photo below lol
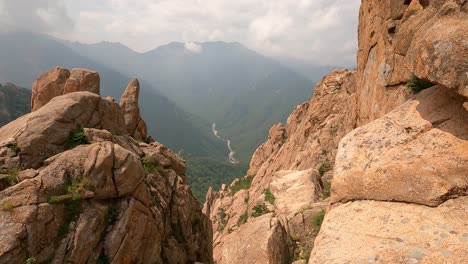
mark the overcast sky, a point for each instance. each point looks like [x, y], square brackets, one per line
[319, 31]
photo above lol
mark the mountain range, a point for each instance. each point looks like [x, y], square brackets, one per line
[185, 88]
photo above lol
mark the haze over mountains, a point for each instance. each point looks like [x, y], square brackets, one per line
[185, 87]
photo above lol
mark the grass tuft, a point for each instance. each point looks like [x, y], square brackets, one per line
[318, 220]
[326, 191]
[76, 137]
[242, 184]
[222, 219]
[243, 218]
[269, 197]
[260, 210]
[324, 168]
[415, 85]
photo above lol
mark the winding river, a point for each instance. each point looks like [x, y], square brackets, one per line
[232, 153]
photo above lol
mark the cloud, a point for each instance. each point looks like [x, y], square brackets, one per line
[45, 16]
[320, 31]
[193, 47]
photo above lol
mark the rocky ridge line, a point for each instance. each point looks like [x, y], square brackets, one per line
[76, 187]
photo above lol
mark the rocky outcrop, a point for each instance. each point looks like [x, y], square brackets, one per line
[398, 39]
[288, 176]
[393, 232]
[400, 182]
[135, 125]
[72, 190]
[60, 81]
[45, 132]
[417, 153]
[399, 179]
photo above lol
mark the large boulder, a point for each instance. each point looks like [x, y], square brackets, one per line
[48, 86]
[83, 80]
[135, 125]
[264, 240]
[46, 132]
[392, 232]
[59, 81]
[417, 153]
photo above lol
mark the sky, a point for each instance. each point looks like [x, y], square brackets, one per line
[317, 31]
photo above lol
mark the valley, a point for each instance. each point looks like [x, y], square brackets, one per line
[180, 89]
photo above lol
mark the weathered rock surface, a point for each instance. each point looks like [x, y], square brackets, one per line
[392, 232]
[417, 153]
[45, 132]
[264, 240]
[48, 86]
[83, 80]
[409, 155]
[289, 165]
[107, 200]
[59, 81]
[136, 126]
[398, 39]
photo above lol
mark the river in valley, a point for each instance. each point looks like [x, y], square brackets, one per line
[232, 153]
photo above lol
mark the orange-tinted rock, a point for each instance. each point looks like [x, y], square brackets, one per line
[83, 80]
[103, 198]
[289, 164]
[48, 86]
[417, 153]
[135, 125]
[59, 81]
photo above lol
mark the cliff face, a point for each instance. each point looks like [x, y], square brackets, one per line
[76, 188]
[400, 181]
[400, 178]
[292, 166]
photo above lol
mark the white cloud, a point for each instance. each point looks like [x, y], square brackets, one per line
[193, 47]
[320, 31]
[46, 16]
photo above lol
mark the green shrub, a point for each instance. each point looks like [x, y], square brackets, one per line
[247, 198]
[72, 211]
[148, 165]
[303, 252]
[415, 85]
[324, 168]
[14, 147]
[12, 177]
[259, 210]
[31, 260]
[326, 191]
[75, 190]
[76, 137]
[222, 219]
[243, 218]
[333, 131]
[242, 184]
[269, 197]
[318, 220]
